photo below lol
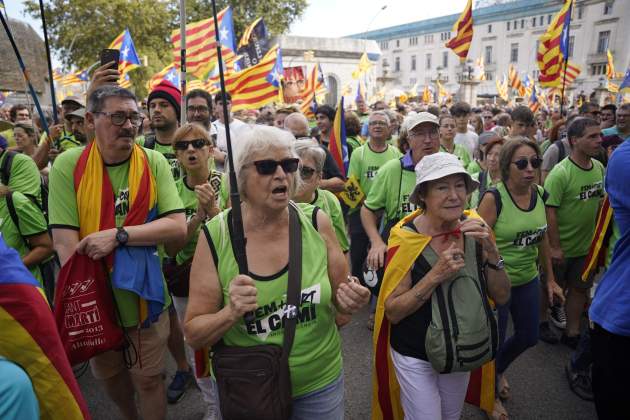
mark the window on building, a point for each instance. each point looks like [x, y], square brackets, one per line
[549, 19]
[490, 28]
[384, 45]
[428, 62]
[608, 7]
[514, 53]
[413, 63]
[445, 59]
[598, 69]
[508, 25]
[398, 43]
[397, 64]
[385, 63]
[413, 40]
[413, 81]
[533, 22]
[428, 39]
[571, 45]
[541, 21]
[536, 73]
[489, 75]
[602, 42]
[515, 24]
[580, 11]
[445, 36]
[522, 23]
[488, 55]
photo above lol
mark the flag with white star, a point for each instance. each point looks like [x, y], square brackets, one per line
[128, 56]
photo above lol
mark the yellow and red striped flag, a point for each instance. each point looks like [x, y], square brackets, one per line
[258, 85]
[201, 46]
[170, 72]
[610, 69]
[515, 81]
[572, 72]
[464, 28]
[553, 48]
[426, 95]
[309, 101]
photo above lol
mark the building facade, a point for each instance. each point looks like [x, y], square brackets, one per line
[505, 34]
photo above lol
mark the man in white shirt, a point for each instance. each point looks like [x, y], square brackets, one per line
[237, 129]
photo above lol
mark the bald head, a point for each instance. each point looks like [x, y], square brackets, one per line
[297, 124]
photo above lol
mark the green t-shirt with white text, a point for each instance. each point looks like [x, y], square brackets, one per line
[64, 214]
[327, 201]
[576, 194]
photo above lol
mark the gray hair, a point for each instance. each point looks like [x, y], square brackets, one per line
[380, 114]
[96, 100]
[299, 121]
[308, 148]
[256, 144]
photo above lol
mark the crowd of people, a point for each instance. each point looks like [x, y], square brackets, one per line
[470, 216]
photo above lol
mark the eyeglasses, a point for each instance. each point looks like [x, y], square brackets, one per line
[119, 118]
[198, 109]
[269, 166]
[425, 134]
[376, 123]
[306, 172]
[521, 164]
[183, 144]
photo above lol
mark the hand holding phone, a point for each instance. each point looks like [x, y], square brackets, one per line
[110, 56]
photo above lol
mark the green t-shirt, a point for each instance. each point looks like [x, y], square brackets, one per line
[391, 189]
[167, 151]
[190, 201]
[315, 359]
[354, 142]
[31, 223]
[24, 176]
[327, 201]
[461, 152]
[66, 141]
[519, 233]
[474, 167]
[365, 164]
[576, 193]
[63, 212]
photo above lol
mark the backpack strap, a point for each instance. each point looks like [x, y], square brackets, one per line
[294, 286]
[14, 216]
[497, 200]
[149, 141]
[483, 176]
[562, 153]
[5, 170]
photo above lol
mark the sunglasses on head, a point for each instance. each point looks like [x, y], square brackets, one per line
[521, 164]
[183, 144]
[306, 172]
[269, 166]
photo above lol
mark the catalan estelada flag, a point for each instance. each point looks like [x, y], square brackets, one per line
[29, 338]
[80, 76]
[258, 85]
[534, 103]
[337, 145]
[403, 249]
[596, 256]
[128, 56]
[308, 94]
[170, 73]
[201, 45]
[553, 47]
[464, 28]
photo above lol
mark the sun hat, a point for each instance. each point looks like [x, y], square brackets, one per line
[437, 166]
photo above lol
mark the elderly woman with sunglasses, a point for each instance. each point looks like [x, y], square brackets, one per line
[515, 209]
[266, 166]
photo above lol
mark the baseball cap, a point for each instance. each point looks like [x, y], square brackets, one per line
[74, 99]
[486, 136]
[421, 117]
[437, 166]
[80, 113]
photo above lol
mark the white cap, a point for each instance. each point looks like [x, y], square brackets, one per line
[421, 117]
[437, 166]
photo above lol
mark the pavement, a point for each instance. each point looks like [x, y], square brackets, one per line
[537, 381]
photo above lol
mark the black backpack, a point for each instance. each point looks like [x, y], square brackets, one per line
[5, 176]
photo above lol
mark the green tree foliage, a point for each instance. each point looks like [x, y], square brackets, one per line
[79, 29]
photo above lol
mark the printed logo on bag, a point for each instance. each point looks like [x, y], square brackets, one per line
[270, 318]
[81, 316]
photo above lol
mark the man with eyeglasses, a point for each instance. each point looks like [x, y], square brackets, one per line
[575, 187]
[622, 128]
[114, 164]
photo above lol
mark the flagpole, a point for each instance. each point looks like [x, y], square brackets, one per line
[566, 59]
[42, 117]
[238, 237]
[50, 72]
[182, 52]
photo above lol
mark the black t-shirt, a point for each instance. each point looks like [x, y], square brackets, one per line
[331, 170]
[407, 337]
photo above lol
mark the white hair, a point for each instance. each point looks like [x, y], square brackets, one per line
[310, 149]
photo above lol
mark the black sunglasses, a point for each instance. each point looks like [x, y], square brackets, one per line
[269, 166]
[183, 144]
[521, 164]
[306, 172]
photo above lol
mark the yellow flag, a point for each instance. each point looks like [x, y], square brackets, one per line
[352, 195]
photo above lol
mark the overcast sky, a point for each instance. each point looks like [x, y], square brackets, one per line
[333, 18]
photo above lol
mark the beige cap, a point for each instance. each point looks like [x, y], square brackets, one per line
[421, 117]
[74, 99]
[80, 113]
[437, 166]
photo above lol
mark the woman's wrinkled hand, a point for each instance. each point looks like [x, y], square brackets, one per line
[351, 296]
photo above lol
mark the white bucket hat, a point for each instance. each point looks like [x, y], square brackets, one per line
[437, 166]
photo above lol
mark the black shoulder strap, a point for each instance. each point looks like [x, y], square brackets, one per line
[149, 141]
[497, 200]
[13, 213]
[5, 170]
[295, 280]
[483, 175]
[562, 153]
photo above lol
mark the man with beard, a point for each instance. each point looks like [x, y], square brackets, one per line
[164, 110]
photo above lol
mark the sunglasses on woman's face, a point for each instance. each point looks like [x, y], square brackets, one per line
[521, 164]
[306, 172]
[183, 144]
[268, 166]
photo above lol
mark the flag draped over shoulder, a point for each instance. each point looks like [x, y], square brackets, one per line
[29, 338]
[464, 28]
[201, 46]
[403, 248]
[258, 85]
[553, 47]
[337, 145]
[599, 244]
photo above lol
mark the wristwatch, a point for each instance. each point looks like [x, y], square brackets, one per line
[500, 265]
[122, 236]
